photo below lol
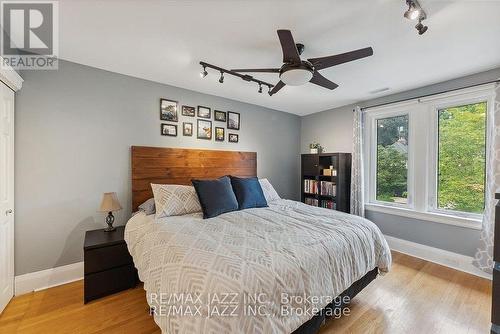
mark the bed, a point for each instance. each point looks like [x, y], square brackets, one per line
[263, 270]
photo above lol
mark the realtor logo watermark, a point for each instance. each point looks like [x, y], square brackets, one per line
[30, 36]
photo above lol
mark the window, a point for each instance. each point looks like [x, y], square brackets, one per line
[462, 158]
[392, 159]
[426, 158]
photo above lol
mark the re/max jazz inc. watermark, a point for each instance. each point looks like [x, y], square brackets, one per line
[238, 305]
[30, 36]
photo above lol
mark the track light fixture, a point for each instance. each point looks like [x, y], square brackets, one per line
[204, 73]
[421, 28]
[269, 91]
[244, 77]
[415, 12]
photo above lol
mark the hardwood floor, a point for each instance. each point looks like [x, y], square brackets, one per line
[415, 297]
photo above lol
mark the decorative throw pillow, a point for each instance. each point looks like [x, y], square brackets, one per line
[148, 207]
[269, 193]
[248, 192]
[216, 196]
[174, 200]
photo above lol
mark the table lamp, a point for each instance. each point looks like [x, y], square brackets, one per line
[109, 204]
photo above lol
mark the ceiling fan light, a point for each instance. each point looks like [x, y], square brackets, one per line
[296, 77]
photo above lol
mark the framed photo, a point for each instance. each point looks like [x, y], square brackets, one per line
[219, 134]
[233, 120]
[220, 116]
[233, 138]
[187, 128]
[204, 112]
[188, 111]
[168, 110]
[168, 130]
[204, 129]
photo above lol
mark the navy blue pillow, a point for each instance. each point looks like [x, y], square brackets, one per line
[248, 192]
[216, 196]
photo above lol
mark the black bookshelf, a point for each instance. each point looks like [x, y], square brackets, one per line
[312, 167]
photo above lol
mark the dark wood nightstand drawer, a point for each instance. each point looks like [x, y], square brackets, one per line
[109, 281]
[99, 259]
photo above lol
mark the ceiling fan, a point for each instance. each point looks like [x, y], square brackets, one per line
[296, 72]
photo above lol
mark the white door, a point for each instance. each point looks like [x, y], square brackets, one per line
[6, 195]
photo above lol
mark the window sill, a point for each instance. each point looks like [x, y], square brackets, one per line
[471, 223]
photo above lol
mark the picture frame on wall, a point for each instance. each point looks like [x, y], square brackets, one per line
[219, 134]
[168, 110]
[233, 138]
[187, 128]
[233, 120]
[204, 112]
[220, 116]
[204, 129]
[188, 111]
[168, 130]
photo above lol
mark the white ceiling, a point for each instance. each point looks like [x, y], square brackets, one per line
[163, 41]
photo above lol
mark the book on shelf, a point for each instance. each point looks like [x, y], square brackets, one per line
[328, 188]
[311, 201]
[327, 203]
[310, 186]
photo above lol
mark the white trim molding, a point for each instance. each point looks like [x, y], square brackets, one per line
[440, 256]
[48, 278]
[10, 77]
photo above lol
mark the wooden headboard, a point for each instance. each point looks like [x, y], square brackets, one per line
[179, 166]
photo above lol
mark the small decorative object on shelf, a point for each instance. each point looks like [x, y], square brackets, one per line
[109, 204]
[315, 148]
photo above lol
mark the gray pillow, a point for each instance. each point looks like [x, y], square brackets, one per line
[148, 207]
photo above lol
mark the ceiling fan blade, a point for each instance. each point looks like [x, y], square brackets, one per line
[264, 70]
[276, 88]
[290, 52]
[329, 61]
[320, 80]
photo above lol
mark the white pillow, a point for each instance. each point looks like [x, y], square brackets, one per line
[148, 207]
[269, 193]
[175, 200]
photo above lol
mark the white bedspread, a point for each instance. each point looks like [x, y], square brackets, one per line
[269, 254]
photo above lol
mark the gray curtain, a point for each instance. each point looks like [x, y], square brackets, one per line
[357, 172]
[484, 255]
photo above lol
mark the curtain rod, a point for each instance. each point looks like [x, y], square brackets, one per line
[427, 95]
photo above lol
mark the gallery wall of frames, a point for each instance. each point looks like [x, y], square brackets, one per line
[202, 121]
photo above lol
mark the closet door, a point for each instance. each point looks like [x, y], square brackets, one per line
[6, 195]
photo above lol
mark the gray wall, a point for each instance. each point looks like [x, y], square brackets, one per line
[333, 129]
[74, 129]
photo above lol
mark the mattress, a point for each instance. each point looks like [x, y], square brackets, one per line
[262, 270]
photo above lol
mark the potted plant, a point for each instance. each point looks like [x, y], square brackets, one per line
[315, 147]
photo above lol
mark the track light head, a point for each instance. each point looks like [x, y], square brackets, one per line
[413, 11]
[204, 73]
[421, 28]
[260, 88]
[221, 79]
[269, 91]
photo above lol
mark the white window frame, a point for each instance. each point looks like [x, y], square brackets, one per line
[422, 154]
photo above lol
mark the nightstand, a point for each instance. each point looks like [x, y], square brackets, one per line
[108, 265]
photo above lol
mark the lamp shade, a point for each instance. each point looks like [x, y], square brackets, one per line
[109, 203]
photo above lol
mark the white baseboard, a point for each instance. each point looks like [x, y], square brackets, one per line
[48, 278]
[436, 255]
